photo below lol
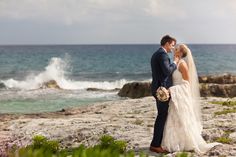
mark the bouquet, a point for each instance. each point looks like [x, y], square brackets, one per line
[162, 94]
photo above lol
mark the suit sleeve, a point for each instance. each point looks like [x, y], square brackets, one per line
[166, 67]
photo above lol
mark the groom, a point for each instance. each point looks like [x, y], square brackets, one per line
[162, 70]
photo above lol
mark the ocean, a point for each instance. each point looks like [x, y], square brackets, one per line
[106, 68]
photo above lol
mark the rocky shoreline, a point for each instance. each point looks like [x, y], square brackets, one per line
[210, 86]
[130, 120]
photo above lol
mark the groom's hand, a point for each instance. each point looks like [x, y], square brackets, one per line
[176, 59]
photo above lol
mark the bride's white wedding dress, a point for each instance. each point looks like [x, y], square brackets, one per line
[183, 128]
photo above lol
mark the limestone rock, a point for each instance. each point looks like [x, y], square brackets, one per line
[143, 89]
[233, 136]
[51, 84]
[116, 118]
[218, 79]
[218, 90]
[136, 90]
[2, 85]
[101, 90]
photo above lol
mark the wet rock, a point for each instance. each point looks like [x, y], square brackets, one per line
[2, 85]
[51, 84]
[218, 90]
[135, 90]
[218, 79]
[62, 110]
[101, 90]
[216, 86]
[140, 89]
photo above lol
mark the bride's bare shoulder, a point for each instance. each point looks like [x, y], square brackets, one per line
[182, 64]
[183, 68]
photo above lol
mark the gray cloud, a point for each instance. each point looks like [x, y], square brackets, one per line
[116, 21]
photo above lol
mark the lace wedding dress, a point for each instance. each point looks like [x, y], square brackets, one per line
[183, 127]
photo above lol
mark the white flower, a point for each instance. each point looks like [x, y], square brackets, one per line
[162, 94]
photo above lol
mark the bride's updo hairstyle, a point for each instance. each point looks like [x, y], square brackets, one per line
[184, 49]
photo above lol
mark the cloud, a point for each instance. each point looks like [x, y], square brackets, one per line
[68, 12]
[118, 20]
[165, 9]
[78, 11]
[49, 10]
[185, 9]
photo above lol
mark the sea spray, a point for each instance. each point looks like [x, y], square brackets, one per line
[54, 71]
[58, 70]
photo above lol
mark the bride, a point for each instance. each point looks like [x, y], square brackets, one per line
[183, 126]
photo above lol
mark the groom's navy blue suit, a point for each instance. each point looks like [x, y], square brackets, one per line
[162, 70]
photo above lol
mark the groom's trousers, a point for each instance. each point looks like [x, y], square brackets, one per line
[162, 108]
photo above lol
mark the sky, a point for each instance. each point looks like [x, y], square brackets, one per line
[116, 21]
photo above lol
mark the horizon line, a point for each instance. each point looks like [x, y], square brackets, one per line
[97, 44]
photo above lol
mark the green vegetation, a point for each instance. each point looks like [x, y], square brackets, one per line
[108, 142]
[230, 104]
[108, 147]
[42, 147]
[225, 140]
[183, 154]
[227, 132]
[41, 142]
[227, 103]
[226, 111]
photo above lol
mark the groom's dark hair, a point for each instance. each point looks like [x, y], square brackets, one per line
[167, 39]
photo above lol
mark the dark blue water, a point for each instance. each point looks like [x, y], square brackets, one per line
[78, 67]
[108, 62]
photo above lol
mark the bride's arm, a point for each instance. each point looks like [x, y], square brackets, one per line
[183, 68]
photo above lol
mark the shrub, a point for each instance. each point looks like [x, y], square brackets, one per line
[183, 154]
[227, 103]
[225, 140]
[41, 142]
[107, 141]
[225, 111]
[42, 147]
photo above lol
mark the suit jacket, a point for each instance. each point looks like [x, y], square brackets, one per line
[162, 70]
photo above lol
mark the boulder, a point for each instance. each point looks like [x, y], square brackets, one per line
[135, 90]
[2, 85]
[51, 84]
[218, 79]
[143, 89]
[217, 90]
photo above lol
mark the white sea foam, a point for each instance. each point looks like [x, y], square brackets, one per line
[56, 70]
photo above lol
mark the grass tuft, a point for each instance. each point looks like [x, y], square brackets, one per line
[225, 140]
[226, 111]
[108, 147]
[227, 103]
[183, 154]
[42, 147]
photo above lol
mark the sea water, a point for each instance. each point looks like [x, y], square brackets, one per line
[76, 68]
